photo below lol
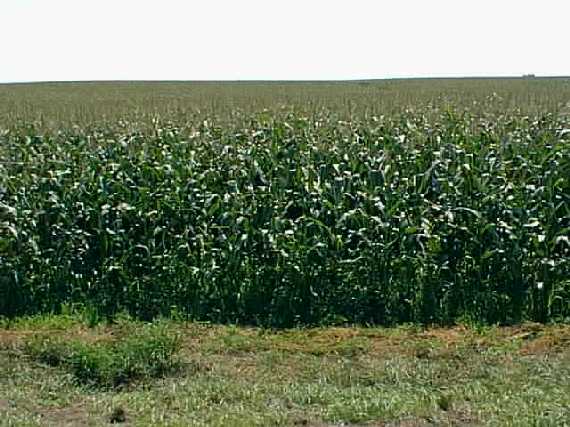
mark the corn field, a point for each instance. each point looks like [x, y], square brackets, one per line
[432, 212]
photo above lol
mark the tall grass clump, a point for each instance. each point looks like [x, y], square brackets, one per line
[137, 354]
[431, 216]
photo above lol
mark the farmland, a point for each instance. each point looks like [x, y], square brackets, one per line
[288, 204]
[391, 253]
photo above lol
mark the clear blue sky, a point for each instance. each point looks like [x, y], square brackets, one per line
[277, 39]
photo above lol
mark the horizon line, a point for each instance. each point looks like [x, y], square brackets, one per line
[529, 76]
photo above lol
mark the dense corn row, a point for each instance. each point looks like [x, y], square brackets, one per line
[291, 218]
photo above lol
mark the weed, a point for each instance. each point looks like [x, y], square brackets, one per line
[148, 352]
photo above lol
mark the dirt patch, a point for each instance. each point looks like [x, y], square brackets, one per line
[456, 418]
[308, 423]
[426, 344]
[5, 405]
[549, 341]
[408, 422]
[422, 343]
[76, 415]
[461, 417]
[10, 339]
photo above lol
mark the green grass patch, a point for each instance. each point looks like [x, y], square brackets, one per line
[136, 354]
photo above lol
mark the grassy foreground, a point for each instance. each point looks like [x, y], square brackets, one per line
[235, 376]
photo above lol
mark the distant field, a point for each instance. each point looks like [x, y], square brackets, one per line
[381, 202]
[59, 103]
[177, 254]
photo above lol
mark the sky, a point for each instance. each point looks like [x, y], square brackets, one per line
[59, 40]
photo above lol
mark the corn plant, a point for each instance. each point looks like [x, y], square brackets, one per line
[431, 215]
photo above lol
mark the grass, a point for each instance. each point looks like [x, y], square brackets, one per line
[317, 377]
[131, 354]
